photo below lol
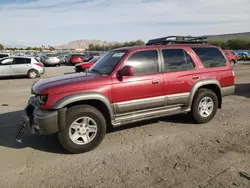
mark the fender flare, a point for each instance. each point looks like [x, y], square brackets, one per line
[82, 97]
[199, 84]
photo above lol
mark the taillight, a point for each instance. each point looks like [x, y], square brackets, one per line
[39, 64]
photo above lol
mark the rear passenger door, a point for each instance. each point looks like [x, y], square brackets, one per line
[21, 65]
[179, 75]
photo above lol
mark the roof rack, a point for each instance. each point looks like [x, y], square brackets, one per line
[177, 40]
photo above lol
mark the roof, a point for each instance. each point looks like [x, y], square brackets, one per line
[132, 48]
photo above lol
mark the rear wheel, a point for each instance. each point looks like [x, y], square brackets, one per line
[85, 129]
[204, 106]
[33, 74]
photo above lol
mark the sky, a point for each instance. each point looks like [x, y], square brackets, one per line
[55, 22]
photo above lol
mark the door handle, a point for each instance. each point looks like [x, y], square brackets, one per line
[195, 77]
[155, 81]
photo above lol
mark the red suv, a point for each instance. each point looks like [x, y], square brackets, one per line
[165, 77]
[231, 56]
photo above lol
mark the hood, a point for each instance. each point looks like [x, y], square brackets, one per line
[66, 82]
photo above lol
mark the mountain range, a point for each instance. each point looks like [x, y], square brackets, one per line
[83, 44]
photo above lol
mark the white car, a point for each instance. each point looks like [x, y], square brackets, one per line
[2, 55]
[21, 66]
[52, 59]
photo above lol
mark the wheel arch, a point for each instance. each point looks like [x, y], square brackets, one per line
[213, 85]
[97, 100]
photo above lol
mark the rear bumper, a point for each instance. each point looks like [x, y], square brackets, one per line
[226, 91]
[43, 122]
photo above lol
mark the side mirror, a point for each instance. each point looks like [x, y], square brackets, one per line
[127, 71]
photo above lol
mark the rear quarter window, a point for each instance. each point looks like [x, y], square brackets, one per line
[210, 57]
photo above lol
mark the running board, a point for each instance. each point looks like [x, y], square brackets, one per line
[155, 113]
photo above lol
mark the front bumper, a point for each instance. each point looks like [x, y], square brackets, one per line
[43, 122]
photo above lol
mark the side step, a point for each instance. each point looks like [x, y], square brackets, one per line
[146, 115]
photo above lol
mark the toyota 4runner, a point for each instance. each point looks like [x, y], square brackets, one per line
[167, 76]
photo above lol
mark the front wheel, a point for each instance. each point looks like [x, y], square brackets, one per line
[204, 106]
[85, 129]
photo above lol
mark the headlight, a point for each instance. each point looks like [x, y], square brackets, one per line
[41, 99]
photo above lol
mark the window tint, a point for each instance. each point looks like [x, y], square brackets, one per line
[144, 62]
[189, 62]
[174, 60]
[7, 61]
[210, 57]
[3, 55]
[22, 61]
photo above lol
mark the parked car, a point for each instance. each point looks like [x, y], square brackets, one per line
[243, 56]
[21, 66]
[231, 56]
[81, 67]
[131, 84]
[63, 57]
[52, 60]
[2, 55]
[79, 58]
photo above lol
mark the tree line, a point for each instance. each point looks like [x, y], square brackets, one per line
[234, 44]
[93, 47]
[28, 48]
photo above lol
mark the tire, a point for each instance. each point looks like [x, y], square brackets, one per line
[232, 63]
[33, 74]
[198, 114]
[96, 119]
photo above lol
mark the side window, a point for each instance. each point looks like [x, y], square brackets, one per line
[3, 55]
[144, 62]
[7, 61]
[174, 60]
[19, 61]
[189, 62]
[210, 57]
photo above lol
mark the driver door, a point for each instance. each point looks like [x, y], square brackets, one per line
[143, 90]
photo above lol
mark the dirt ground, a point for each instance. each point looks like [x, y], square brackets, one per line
[166, 152]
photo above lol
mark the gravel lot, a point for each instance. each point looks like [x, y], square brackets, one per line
[167, 152]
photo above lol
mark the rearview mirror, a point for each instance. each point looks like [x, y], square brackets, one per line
[127, 71]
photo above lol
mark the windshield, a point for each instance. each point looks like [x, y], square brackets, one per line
[107, 63]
